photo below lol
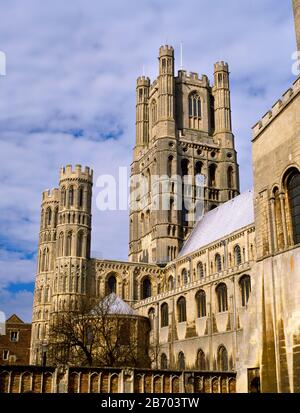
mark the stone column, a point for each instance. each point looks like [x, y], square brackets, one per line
[283, 219]
[273, 223]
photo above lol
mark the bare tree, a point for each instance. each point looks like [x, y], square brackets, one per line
[93, 335]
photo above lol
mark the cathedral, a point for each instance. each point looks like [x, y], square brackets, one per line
[222, 290]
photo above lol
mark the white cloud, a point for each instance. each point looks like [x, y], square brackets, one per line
[73, 68]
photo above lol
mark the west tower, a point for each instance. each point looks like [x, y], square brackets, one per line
[183, 128]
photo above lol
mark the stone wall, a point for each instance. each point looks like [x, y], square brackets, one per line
[33, 379]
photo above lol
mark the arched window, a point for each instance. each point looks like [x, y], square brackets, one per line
[142, 224]
[200, 269]
[164, 315]
[48, 216]
[245, 285]
[194, 105]
[181, 361]
[153, 112]
[111, 284]
[55, 216]
[80, 197]
[201, 303]
[61, 244]
[47, 294]
[163, 361]
[201, 362]
[184, 167]
[184, 276]
[71, 196]
[230, 177]
[293, 187]
[222, 297]
[63, 196]
[69, 244]
[171, 283]
[146, 288]
[212, 175]
[222, 359]
[218, 263]
[151, 315]
[80, 239]
[169, 169]
[237, 255]
[181, 310]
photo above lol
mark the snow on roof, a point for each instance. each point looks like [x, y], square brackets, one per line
[115, 305]
[220, 222]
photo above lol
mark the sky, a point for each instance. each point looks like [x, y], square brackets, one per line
[68, 97]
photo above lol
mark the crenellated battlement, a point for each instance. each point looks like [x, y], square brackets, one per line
[143, 81]
[67, 172]
[221, 67]
[166, 50]
[183, 75]
[277, 108]
[50, 195]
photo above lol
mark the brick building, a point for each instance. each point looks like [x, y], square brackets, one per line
[15, 344]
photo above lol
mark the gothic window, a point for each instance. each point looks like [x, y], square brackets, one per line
[111, 284]
[194, 105]
[163, 361]
[80, 197]
[153, 112]
[181, 361]
[55, 216]
[61, 244]
[142, 224]
[151, 316]
[222, 359]
[170, 162]
[212, 175]
[48, 216]
[63, 196]
[218, 263]
[201, 362]
[245, 286]
[237, 255]
[293, 187]
[221, 291]
[146, 288]
[201, 303]
[181, 309]
[80, 243]
[69, 244]
[171, 282]
[184, 167]
[184, 276]
[200, 269]
[164, 315]
[45, 260]
[163, 65]
[71, 196]
[47, 294]
[230, 177]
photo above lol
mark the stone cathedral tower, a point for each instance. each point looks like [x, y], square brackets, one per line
[64, 251]
[183, 128]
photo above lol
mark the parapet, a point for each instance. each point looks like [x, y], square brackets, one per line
[221, 67]
[143, 81]
[184, 75]
[67, 172]
[276, 108]
[166, 51]
[50, 195]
